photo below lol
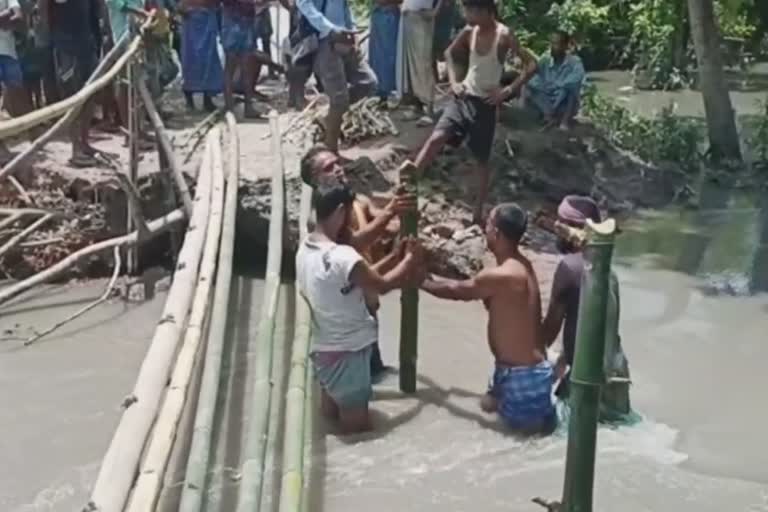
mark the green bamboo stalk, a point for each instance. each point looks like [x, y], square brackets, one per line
[200, 447]
[587, 375]
[409, 299]
[252, 468]
[292, 481]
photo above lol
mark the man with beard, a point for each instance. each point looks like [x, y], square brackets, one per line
[521, 386]
[370, 230]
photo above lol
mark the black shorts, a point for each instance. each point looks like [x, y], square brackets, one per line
[470, 118]
[75, 59]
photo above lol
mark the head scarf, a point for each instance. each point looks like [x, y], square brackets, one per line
[575, 210]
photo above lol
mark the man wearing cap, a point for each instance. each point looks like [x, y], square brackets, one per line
[520, 390]
[563, 312]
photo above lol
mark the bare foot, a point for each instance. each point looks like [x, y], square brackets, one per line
[488, 403]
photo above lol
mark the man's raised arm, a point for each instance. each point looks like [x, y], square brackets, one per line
[366, 277]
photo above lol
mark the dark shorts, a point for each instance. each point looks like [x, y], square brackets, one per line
[10, 72]
[74, 59]
[469, 118]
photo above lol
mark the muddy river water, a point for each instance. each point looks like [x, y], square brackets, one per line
[694, 318]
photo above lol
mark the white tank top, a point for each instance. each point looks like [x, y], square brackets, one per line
[484, 72]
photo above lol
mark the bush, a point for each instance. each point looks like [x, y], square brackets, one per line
[758, 140]
[664, 138]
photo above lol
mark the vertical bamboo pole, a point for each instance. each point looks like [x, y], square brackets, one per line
[133, 156]
[587, 374]
[409, 299]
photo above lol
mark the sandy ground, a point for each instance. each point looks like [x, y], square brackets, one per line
[61, 396]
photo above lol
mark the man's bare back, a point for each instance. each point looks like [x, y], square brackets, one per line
[514, 313]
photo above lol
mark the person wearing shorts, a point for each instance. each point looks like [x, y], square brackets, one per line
[238, 38]
[471, 112]
[338, 63]
[11, 77]
[334, 278]
[73, 29]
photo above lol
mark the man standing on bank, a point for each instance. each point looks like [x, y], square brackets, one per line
[472, 111]
[521, 386]
[338, 62]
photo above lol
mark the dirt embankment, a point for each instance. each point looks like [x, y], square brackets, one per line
[533, 168]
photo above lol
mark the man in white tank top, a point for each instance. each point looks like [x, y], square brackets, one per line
[472, 111]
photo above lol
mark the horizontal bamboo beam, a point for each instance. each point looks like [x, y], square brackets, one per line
[40, 142]
[23, 123]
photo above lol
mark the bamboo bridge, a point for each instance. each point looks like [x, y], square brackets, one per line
[220, 420]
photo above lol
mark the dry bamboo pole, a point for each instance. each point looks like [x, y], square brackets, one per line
[121, 462]
[165, 146]
[10, 244]
[62, 123]
[133, 159]
[155, 227]
[23, 123]
[147, 487]
[11, 220]
[200, 446]
[252, 467]
[292, 481]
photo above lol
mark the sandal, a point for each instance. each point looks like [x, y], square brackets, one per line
[83, 160]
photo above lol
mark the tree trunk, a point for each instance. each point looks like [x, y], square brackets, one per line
[723, 137]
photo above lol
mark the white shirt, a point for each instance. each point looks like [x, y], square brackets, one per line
[340, 319]
[7, 41]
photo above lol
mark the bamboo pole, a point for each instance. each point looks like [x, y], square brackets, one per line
[10, 244]
[166, 146]
[133, 158]
[40, 142]
[121, 462]
[155, 228]
[147, 487]
[409, 298]
[23, 123]
[587, 374]
[251, 485]
[292, 481]
[200, 447]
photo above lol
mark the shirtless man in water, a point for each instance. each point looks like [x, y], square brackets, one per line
[521, 386]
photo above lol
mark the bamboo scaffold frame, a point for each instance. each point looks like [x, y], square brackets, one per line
[200, 446]
[252, 483]
[121, 462]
